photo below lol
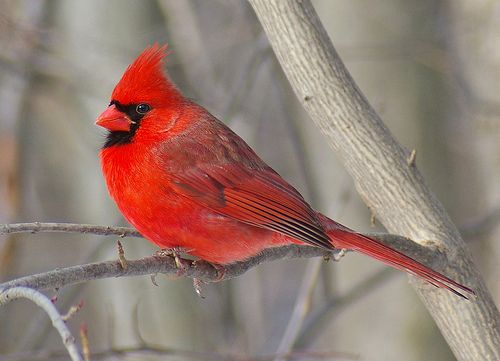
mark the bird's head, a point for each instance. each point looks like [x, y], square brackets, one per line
[143, 92]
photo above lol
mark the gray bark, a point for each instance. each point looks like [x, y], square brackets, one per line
[393, 189]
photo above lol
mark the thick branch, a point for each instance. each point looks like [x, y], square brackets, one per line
[391, 186]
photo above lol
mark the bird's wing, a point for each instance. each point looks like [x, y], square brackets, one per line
[259, 197]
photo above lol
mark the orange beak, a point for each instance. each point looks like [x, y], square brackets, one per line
[114, 120]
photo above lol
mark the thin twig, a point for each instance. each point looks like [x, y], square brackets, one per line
[483, 225]
[36, 331]
[412, 158]
[301, 308]
[72, 311]
[36, 227]
[12, 293]
[121, 255]
[320, 317]
[84, 339]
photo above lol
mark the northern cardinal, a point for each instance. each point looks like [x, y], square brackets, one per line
[185, 181]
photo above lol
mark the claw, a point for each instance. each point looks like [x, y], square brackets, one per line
[221, 271]
[335, 255]
[153, 280]
[198, 286]
[339, 255]
[162, 253]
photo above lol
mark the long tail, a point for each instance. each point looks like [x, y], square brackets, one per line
[354, 241]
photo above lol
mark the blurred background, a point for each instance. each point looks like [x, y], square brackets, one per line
[431, 68]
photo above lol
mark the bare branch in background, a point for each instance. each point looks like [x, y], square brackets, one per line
[395, 191]
[166, 265]
[483, 225]
[13, 293]
[20, 46]
[301, 308]
[159, 351]
[36, 227]
[319, 318]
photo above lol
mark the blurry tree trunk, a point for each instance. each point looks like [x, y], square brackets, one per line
[20, 51]
[393, 189]
[20, 45]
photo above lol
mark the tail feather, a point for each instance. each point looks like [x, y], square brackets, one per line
[373, 248]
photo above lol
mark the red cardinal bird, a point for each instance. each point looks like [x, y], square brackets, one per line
[185, 181]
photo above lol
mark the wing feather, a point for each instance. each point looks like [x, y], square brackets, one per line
[259, 197]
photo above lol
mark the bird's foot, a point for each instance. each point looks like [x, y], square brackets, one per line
[180, 263]
[335, 254]
[338, 255]
[198, 284]
[220, 269]
[198, 287]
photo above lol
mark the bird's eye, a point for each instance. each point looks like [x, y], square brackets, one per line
[142, 108]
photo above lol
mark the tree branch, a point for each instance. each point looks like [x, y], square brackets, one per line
[300, 309]
[200, 270]
[166, 265]
[36, 227]
[12, 293]
[394, 189]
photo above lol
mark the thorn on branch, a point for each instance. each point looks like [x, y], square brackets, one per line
[53, 299]
[373, 218]
[84, 340]
[153, 280]
[411, 160]
[72, 311]
[121, 255]
[36, 227]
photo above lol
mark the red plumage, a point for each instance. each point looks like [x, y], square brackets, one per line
[185, 180]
